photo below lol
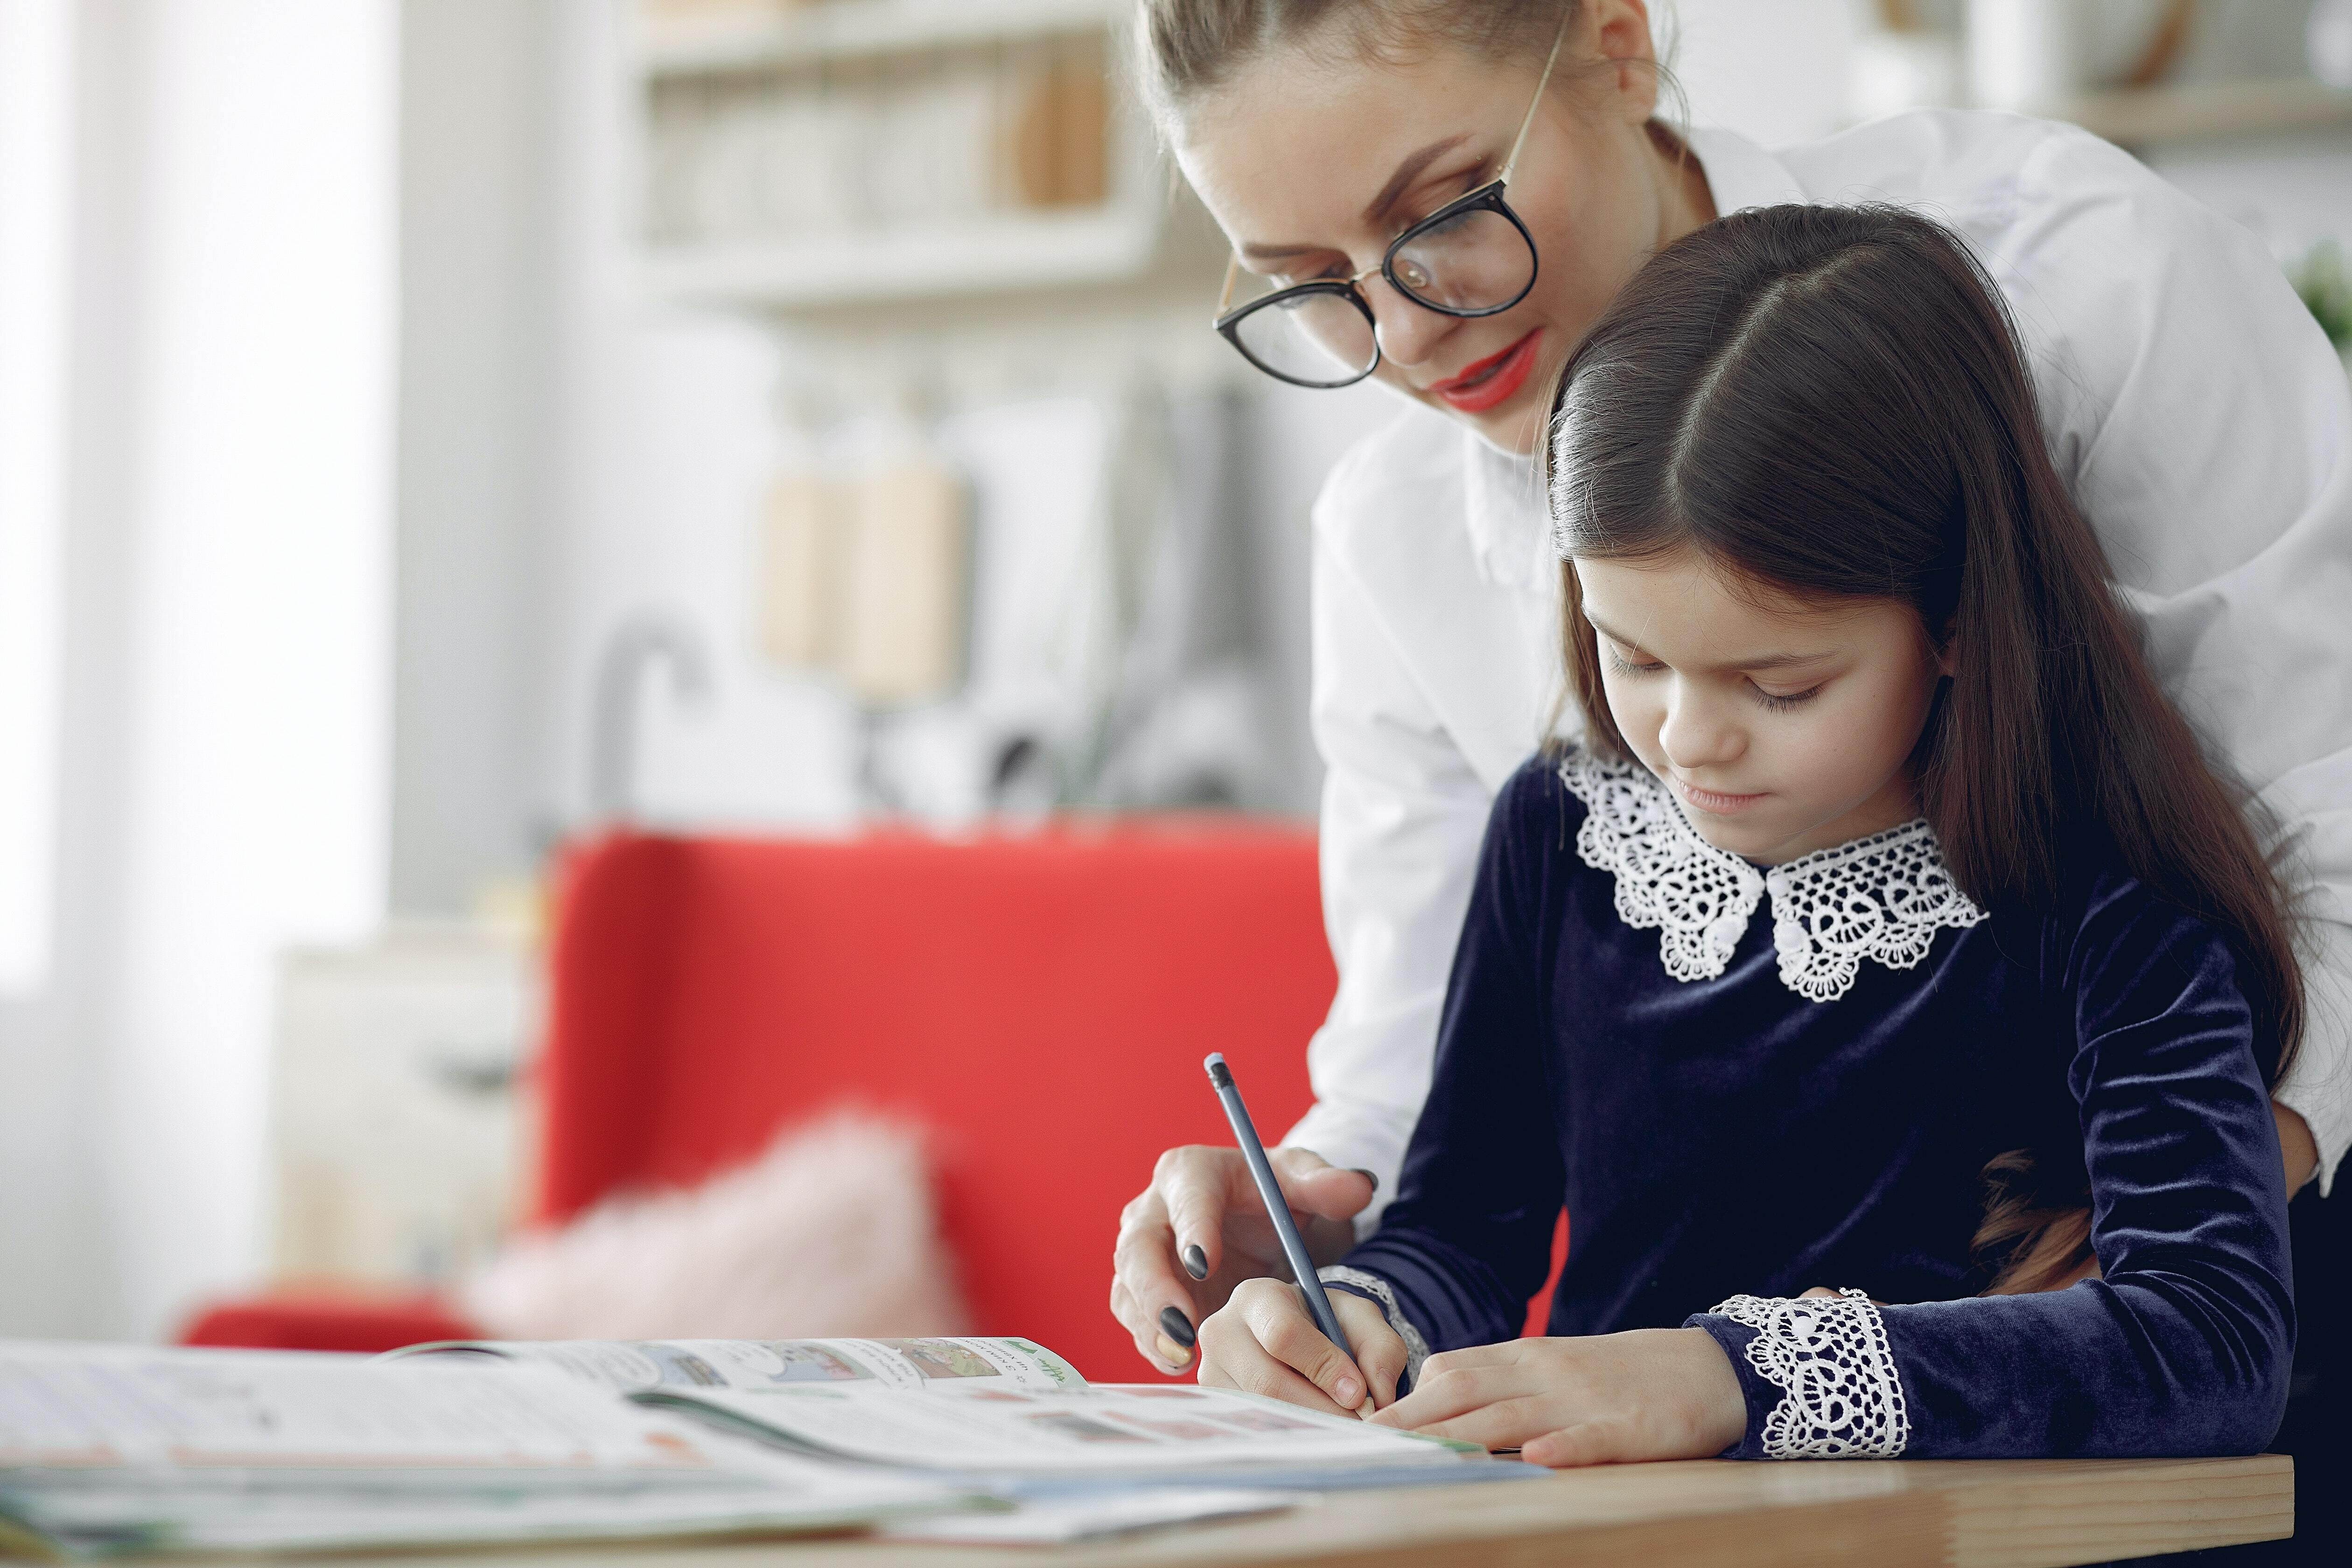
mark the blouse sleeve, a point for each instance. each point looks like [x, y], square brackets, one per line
[2181, 1347]
[1468, 1238]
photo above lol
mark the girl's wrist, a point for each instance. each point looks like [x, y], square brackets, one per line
[1718, 1410]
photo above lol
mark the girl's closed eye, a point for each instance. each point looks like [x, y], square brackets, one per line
[1782, 702]
[1624, 663]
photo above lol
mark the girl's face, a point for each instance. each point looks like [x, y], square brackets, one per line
[1313, 160]
[1781, 727]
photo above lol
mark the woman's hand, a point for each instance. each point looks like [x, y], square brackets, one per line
[1263, 1342]
[1649, 1393]
[1200, 1229]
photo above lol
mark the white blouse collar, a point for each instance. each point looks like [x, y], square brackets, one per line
[1884, 897]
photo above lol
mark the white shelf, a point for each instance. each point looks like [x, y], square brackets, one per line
[838, 29]
[1008, 252]
[2209, 111]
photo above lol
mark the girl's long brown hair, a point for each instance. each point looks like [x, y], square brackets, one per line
[1831, 402]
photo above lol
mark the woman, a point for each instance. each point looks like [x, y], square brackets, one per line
[2193, 409]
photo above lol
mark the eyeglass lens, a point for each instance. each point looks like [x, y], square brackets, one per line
[1321, 338]
[1464, 264]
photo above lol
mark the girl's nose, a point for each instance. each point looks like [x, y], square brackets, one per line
[1407, 332]
[1698, 733]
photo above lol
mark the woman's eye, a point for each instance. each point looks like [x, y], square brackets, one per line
[1619, 663]
[1780, 702]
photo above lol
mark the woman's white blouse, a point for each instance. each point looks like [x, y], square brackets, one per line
[2197, 413]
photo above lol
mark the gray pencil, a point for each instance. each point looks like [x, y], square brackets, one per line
[1293, 1247]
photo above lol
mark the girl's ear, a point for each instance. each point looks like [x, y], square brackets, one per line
[1948, 650]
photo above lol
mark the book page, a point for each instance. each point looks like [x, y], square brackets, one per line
[636, 1365]
[71, 1406]
[1144, 1428]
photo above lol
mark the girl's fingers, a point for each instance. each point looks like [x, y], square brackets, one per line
[1586, 1443]
[1277, 1314]
[1506, 1422]
[1448, 1391]
[1233, 1356]
[1379, 1353]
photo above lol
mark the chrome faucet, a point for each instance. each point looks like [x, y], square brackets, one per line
[635, 643]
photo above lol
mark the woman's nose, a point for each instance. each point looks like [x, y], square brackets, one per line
[1407, 332]
[1698, 733]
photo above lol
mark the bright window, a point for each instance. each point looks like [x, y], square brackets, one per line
[36, 63]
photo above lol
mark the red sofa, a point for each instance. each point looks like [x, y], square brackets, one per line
[1041, 1002]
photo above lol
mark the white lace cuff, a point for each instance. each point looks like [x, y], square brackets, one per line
[1841, 1396]
[1416, 1348]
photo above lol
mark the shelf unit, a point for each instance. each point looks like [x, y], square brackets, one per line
[1003, 249]
[2209, 112]
[843, 29]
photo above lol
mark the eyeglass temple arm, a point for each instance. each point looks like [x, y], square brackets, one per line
[1535, 103]
[1225, 295]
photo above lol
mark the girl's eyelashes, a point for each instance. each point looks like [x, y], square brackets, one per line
[1618, 664]
[1779, 703]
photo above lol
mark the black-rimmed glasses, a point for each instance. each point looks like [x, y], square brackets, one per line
[1473, 257]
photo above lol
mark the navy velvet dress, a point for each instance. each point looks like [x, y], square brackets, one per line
[1815, 1104]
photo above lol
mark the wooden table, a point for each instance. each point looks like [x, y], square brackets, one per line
[2008, 1513]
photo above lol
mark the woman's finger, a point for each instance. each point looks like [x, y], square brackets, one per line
[1197, 1184]
[1314, 1187]
[1152, 1341]
[1146, 1280]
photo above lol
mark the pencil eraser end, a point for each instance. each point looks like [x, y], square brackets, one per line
[1218, 1073]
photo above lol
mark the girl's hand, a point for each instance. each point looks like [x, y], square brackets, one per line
[1649, 1393]
[1263, 1342]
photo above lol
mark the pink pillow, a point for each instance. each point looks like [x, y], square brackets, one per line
[832, 1231]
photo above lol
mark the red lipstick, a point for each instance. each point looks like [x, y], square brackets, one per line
[1492, 380]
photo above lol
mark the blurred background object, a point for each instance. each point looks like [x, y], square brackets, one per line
[429, 428]
[396, 1113]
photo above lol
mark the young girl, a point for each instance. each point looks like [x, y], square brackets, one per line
[1883, 868]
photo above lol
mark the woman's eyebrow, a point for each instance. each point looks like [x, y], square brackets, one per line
[1407, 171]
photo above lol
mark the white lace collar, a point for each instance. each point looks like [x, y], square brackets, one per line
[1884, 897]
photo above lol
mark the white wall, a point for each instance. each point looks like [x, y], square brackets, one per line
[473, 249]
[225, 753]
[1774, 70]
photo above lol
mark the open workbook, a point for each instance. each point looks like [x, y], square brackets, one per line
[990, 1406]
[108, 1449]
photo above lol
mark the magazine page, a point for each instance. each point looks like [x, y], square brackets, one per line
[1120, 1428]
[637, 1365]
[107, 1448]
[71, 1406]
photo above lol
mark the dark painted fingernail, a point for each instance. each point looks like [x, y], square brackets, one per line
[1196, 1264]
[1177, 1326]
[1371, 1176]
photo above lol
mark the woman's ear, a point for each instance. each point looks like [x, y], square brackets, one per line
[1618, 31]
[1948, 649]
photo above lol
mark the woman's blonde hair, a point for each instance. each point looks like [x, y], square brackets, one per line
[1187, 48]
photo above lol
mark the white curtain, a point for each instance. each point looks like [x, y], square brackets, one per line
[222, 773]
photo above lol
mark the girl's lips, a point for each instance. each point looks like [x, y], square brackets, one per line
[1491, 380]
[1714, 802]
